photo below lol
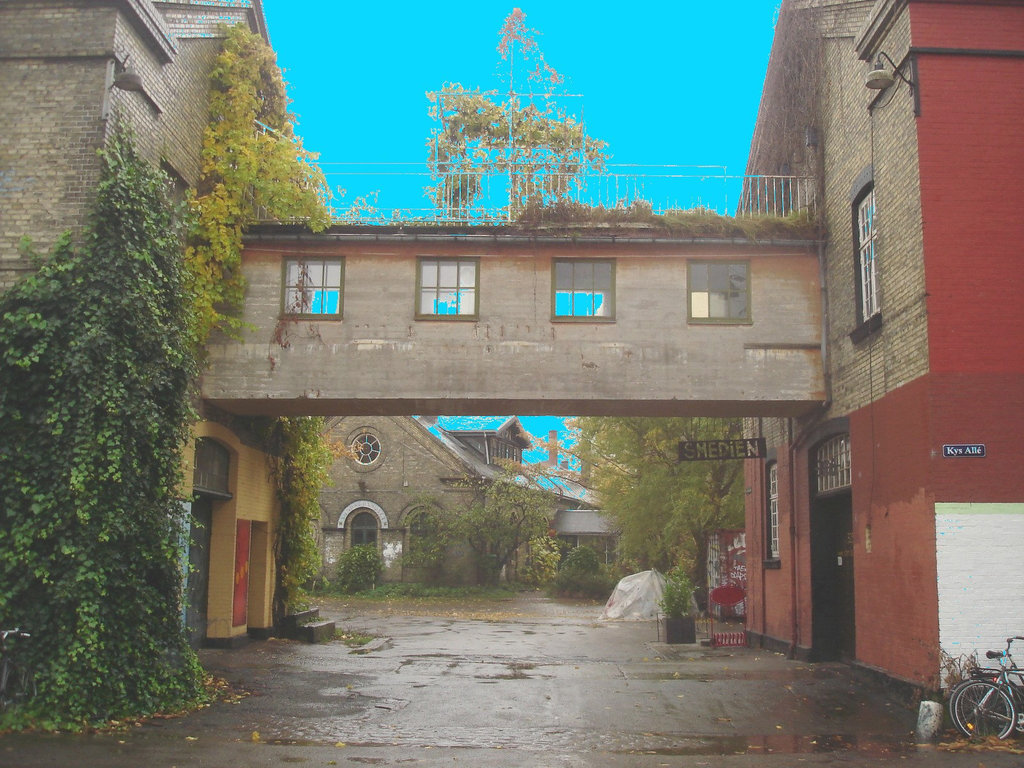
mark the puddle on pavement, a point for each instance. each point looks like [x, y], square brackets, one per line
[778, 744]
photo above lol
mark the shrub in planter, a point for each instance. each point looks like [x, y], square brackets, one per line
[676, 601]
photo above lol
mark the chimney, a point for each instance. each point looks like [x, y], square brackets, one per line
[552, 449]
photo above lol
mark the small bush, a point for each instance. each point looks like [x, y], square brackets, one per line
[581, 560]
[677, 596]
[542, 564]
[359, 569]
[590, 586]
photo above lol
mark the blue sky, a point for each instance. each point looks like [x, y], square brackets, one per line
[663, 83]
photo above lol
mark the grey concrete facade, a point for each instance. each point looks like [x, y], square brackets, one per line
[514, 357]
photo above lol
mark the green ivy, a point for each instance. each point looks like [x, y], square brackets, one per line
[253, 166]
[301, 460]
[96, 371]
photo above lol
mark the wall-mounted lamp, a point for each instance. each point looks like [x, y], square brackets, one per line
[126, 78]
[880, 78]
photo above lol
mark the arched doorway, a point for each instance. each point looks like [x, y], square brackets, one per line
[832, 576]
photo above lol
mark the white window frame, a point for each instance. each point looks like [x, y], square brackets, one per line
[834, 470]
[773, 511]
[867, 257]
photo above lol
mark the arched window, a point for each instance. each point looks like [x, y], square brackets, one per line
[421, 525]
[363, 529]
[211, 471]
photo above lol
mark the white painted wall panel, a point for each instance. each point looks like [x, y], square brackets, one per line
[980, 568]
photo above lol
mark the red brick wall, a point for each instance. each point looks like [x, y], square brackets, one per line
[972, 166]
[770, 603]
[896, 593]
[978, 408]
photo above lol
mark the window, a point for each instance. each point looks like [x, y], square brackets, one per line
[448, 288]
[867, 264]
[366, 448]
[833, 464]
[719, 292]
[584, 288]
[212, 465]
[312, 287]
[421, 526]
[363, 529]
[773, 511]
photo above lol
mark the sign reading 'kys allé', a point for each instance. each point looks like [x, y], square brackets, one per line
[722, 450]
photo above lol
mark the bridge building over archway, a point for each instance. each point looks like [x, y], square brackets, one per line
[482, 320]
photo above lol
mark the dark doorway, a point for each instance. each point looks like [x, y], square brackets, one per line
[832, 591]
[198, 569]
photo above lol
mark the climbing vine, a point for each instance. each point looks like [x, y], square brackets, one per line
[253, 167]
[96, 370]
[300, 461]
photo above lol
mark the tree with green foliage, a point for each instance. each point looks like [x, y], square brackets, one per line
[431, 539]
[253, 166]
[503, 515]
[96, 372]
[527, 138]
[663, 508]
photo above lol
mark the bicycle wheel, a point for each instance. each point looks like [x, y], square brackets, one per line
[980, 709]
[18, 687]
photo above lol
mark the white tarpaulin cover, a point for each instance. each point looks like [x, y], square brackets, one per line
[636, 597]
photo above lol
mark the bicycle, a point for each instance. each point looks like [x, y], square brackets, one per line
[991, 701]
[17, 684]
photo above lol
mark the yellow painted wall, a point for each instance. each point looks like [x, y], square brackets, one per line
[253, 498]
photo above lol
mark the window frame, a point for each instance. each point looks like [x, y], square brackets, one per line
[352, 528]
[865, 240]
[579, 263]
[691, 265]
[833, 465]
[421, 261]
[772, 537]
[287, 287]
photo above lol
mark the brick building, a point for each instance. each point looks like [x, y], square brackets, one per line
[869, 538]
[402, 464]
[67, 68]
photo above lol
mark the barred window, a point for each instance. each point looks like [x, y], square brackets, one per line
[833, 464]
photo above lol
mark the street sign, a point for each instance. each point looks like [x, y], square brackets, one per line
[723, 450]
[963, 451]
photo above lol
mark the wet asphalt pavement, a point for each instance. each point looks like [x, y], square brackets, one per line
[528, 682]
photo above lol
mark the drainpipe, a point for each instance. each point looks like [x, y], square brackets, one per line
[793, 539]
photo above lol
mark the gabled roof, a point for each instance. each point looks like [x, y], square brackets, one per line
[452, 430]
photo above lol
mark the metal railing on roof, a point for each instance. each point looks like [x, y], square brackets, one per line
[406, 193]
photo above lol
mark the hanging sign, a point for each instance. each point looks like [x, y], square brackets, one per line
[723, 450]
